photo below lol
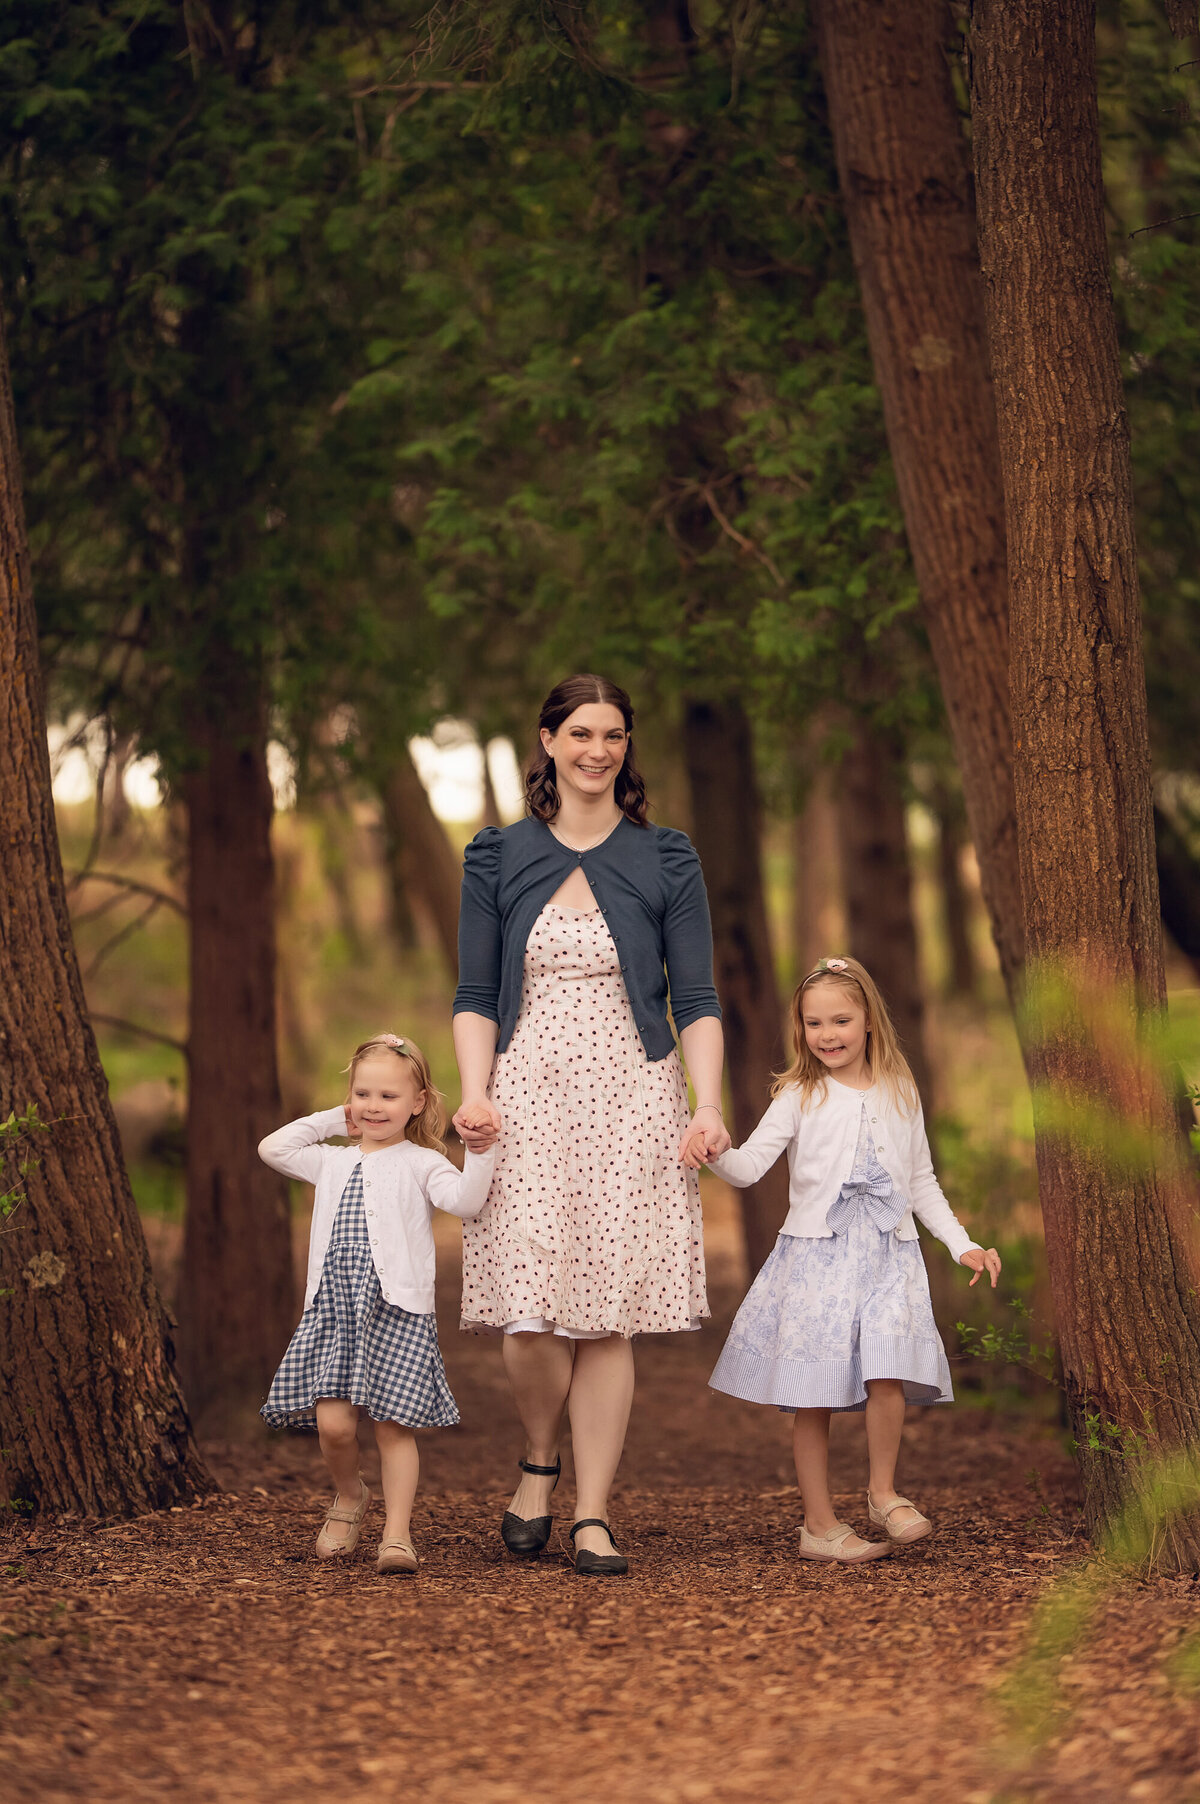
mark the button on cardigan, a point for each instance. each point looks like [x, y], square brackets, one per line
[820, 1138]
[402, 1185]
[649, 888]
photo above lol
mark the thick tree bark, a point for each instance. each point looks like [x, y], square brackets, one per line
[878, 885]
[956, 904]
[237, 1294]
[1125, 1289]
[727, 833]
[426, 876]
[905, 178]
[91, 1415]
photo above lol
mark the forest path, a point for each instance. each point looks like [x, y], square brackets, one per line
[205, 1655]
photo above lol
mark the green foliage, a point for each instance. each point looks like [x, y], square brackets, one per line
[1148, 100]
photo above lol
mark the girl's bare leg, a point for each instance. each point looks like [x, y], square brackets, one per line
[885, 1425]
[400, 1464]
[539, 1370]
[599, 1403]
[337, 1430]
[810, 1448]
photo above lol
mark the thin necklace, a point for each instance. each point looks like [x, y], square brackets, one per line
[598, 841]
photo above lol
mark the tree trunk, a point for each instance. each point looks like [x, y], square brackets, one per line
[878, 885]
[725, 810]
[1125, 1290]
[237, 1294]
[425, 872]
[956, 904]
[905, 178]
[818, 914]
[91, 1415]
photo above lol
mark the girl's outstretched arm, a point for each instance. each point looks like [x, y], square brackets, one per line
[744, 1165]
[929, 1204]
[462, 1193]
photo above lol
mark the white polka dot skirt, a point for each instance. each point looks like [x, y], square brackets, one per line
[591, 1225]
[353, 1346]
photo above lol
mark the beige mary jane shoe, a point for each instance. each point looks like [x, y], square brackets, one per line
[327, 1547]
[396, 1558]
[831, 1546]
[911, 1531]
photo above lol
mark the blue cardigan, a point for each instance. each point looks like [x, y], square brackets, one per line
[649, 888]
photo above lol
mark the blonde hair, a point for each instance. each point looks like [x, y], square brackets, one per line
[888, 1065]
[427, 1126]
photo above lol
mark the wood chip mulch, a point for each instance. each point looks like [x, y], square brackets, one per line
[203, 1654]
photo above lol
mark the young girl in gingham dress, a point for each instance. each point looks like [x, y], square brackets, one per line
[367, 1342]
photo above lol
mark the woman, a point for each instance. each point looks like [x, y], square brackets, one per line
[573, 922]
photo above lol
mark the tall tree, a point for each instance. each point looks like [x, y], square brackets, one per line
[727, 828]
[1125, 1289]
[172, 180]
[904, 172]
[877, 877]
[91, 1415]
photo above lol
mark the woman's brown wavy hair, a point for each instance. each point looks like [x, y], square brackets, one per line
[541, 791]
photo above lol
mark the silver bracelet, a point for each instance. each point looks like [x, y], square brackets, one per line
[707, 1105]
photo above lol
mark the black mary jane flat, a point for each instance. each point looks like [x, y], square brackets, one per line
[528, 1538]
[597, 1565]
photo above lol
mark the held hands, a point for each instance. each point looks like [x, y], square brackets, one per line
[478, 1123]
[704, 1138]
[981, 1262]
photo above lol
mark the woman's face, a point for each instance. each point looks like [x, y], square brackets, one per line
[588, 749]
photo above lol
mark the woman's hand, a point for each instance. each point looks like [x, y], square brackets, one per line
[981, 1262]
[478, 1123]
[352, 1133]
[704, 1138]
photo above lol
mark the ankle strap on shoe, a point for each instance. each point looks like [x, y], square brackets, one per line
[541, 1471]
[592, 1522]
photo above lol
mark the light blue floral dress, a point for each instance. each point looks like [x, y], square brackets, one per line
[824, 1316]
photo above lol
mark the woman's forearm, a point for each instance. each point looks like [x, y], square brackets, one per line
[703, 1046]
[475, 1039]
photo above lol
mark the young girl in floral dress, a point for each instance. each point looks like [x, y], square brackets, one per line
[839, 1318]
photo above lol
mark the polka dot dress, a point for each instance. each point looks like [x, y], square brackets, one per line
[591, 1226]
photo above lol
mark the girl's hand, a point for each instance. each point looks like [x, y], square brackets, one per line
[352, 1133]
[704, 1138]
[981, 1262]
[478, 1124]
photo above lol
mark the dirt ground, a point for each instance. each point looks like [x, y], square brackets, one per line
[203, 1654]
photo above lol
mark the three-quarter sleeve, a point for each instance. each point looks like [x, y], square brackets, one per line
[479, 934]
[687, 932]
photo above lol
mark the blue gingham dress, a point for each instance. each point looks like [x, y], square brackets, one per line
[823, 1316]
[354, 1346]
